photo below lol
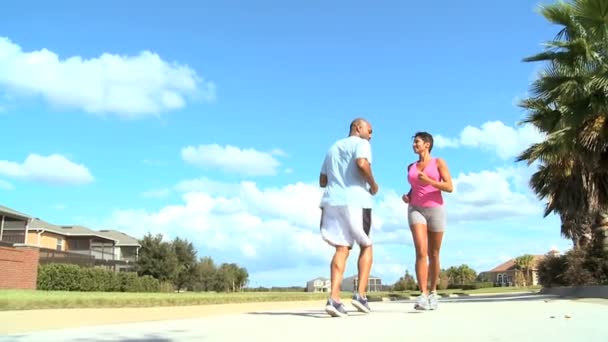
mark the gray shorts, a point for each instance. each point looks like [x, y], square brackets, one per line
[434, 217]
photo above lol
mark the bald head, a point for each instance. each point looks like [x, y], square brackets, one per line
[361, 128]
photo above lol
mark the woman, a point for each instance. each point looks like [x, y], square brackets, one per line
[428, 177]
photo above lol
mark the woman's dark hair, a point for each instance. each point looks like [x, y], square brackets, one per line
[426, 137]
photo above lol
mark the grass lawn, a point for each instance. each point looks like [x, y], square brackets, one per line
[30, 299]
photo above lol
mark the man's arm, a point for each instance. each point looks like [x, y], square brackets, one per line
[366, 170]
[322, 180]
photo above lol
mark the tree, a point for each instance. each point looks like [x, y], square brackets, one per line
[407, 282]
[186, 259]
[525, 263]
[460, 275]
[157, 258]
[242, 278]
[569, 105]
[519, 279]
[231, 278]
[206, 274]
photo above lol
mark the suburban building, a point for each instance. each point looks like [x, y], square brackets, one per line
[69, 243]
[505, 273]
[351, 284]
[13, 225]
[319, 284]
[73, 239]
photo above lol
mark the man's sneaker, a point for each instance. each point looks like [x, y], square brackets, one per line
[360, 303]
[422, 303]
[433, 301]
[335, 309]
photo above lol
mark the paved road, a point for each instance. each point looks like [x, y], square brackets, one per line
[490, 318]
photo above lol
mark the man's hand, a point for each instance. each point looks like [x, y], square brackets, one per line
[405, 198]
[373, 189]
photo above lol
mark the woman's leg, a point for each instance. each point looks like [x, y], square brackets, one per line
[434, 245]
[420, 237]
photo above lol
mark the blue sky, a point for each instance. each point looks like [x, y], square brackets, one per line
[209, 121]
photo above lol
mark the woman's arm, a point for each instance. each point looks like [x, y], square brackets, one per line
[445, 183]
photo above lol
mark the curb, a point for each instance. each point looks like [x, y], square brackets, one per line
[599, 291]
[458, 294]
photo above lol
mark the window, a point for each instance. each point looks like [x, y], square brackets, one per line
[59, 244]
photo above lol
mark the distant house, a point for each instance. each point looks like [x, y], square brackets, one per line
[74, 239]
[504, 274]
[69, 243]
[319, 284]
[13, 225]
[351, 284]
[127, 247]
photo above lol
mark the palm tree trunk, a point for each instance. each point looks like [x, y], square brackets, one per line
[601, 229]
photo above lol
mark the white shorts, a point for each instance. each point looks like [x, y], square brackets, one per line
[344, 225]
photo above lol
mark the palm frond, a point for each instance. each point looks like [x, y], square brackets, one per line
[560, 13]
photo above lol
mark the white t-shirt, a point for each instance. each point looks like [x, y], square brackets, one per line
[345, 183]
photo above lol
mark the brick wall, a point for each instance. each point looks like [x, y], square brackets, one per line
[18, 267]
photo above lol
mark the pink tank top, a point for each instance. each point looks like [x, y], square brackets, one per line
[425, 195]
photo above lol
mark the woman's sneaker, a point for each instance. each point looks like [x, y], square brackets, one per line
[360, 303]
[422, 303]
[433, 300]
[335, 309]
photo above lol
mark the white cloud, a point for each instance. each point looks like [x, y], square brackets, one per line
[52, 169]
[507, 142]
[59, 206]
[441, 141]
[232, 159]
[158, 193]
[272, 230]
[491, 195]
[128, 86]
[208, 186]
[233, 229]
[496, 195]
[4, 185]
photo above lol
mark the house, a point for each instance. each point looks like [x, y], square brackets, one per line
[319, 284]
[127, 247]
[73, 239]
[505, 273]
[351, 284]
[13, 225]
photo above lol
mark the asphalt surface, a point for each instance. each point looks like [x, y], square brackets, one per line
[524, 317]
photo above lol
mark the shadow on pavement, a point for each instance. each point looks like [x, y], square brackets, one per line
[309, 314]
[323, 314]
[148, 338]
[113, 337]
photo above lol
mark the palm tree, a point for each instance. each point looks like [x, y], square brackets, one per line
[525, 263]
[569, 104]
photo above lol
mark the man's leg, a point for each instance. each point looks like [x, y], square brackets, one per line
[338, 264]
[365, 267]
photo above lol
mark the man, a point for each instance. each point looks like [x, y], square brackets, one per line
[346, 175]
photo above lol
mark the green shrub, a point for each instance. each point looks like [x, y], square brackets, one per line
[472, 286]
[551, 270]
[575, 268]
[67, 277]
[165, 286]
[59, 277]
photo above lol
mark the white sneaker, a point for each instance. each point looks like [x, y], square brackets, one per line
[433, 300]
[422, 303]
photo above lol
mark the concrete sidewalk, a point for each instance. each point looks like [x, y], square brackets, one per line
[489, 318]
